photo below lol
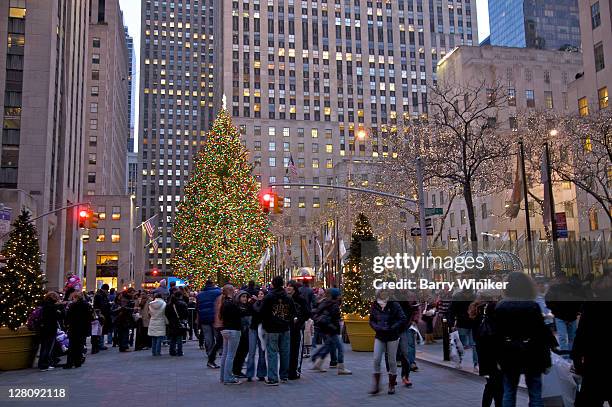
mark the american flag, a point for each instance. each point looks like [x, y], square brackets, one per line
[148, 225]
[292, 167]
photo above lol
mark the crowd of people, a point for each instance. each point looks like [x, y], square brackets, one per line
[264, 333]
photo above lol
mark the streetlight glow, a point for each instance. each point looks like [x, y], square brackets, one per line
[554, 132]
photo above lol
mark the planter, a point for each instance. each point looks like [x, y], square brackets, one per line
[17, 348]
[360, 333]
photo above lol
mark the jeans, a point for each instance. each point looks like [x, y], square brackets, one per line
[331, 343]
[566, 331]
[390, 349]
[254, 348]
[47, 343]
[534, 387]
[465, 335]
[231, 339]
[156, 342]
[277, 346]
[175, 343]
[109, 337]
[407, 351]
[212, 341]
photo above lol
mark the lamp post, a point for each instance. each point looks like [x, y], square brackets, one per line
[551, 201]
[526, 200]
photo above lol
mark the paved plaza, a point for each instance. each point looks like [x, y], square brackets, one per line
[138, 379]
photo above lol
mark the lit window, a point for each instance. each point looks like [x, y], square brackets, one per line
[583, 106]
[548, 99]
[315, 163]
[101, 235]
[115, 236]
[314, 133]
[603, 97]
[316, 203]
[116, 214]
[95, 58]
[101, 212]
[329, 148]
[301, 202]
[95, 91]
[329, 163]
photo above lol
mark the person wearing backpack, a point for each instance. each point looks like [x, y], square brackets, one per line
[482, 311]
[524, 342]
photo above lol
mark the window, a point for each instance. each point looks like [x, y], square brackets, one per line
[599, 57]
[603, 97]
[452, 219]
[583, 106]
[513, 123]
[93, 108]
[569, 209]
[548, 99]
[316, 203]
[315, 163]
[595, 15]
[490, 96]
[511, 97]
[96, 42]
[95, 91]
[95, 75]
[101, 235]
[272, 161]
[301, 202]
[91, 177]
[329, 148]
[92, 158]
[101, 212]
[116, 213]
[93, 124]
[314, 133]
[462, 216]
[95, 58]
[115, 236]
[530, 98]
[483, 210]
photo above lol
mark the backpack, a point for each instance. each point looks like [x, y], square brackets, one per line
[35, 319]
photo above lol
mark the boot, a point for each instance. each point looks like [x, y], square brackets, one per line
[318, 365]
[342, 370]
[392, 383]
[376, 384]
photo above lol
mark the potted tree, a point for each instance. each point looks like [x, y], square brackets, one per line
[21, 289]
[358, 291]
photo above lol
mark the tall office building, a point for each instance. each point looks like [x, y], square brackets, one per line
[548, 24]
[42, 78]
[129, 41]
[176, 60]
[325, 82]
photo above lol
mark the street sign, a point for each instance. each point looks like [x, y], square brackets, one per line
[417, 232]
[433, 211]
[5, 220]
[428, 222]
[561, 225]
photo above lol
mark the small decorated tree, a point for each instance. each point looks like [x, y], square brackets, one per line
[220, 226]
[358, 277]
[21, 280]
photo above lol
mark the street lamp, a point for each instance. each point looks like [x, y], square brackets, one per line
[554, 132]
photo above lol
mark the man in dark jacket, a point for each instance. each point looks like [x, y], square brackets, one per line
[327, 318]
[296, 329]
[79, 315]
[564, 299]
[278, 312]
[124, 319]
[177, 314]
[461, 320]
[206, 319]
[50, 316]
[103, 306]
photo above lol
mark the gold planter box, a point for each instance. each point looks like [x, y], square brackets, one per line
[360, 333]
[17, 348]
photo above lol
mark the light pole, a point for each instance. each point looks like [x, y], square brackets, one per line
[526, 200]
[551, 201]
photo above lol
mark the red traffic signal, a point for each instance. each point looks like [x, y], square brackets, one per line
[154, 272]
[84, 217]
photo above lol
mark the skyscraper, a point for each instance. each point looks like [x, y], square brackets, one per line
[176, 61]
[42, 79]
[326, 82]
[549, 24]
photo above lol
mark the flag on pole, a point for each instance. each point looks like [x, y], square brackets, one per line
[154, 245]
[148, 226]
[305, 254]
[514, 207]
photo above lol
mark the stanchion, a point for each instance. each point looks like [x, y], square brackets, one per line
[445, 340]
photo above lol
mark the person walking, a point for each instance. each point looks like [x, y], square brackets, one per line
[296, 328]
[50, 315]
[461, 301]
[278, 311]
[407, 341]
[255, 343]
[326, 319]
[79, 315]
[387, 320]
[232, 325]
[209, 339]
[157, 323]
[482, 311]
[524, 342]
[177, 314]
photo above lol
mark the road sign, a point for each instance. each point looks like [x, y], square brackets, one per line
[561, 225]
[417, 232]
[428, 222]
[433, 211]
[5, 220]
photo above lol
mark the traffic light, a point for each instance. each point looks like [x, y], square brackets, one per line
[93, 220]
[84, 215]
[266, 198]
[279, 203]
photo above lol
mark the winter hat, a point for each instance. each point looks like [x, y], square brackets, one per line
[334, 293]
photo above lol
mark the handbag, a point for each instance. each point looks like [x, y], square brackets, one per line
[183, 323]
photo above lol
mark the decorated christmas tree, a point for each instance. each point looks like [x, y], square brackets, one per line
[220, 226]
[21, 280]
[358, 290]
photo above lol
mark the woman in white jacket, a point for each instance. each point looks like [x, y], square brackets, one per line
[157, 323]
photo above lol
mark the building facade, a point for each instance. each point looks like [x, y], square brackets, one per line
[42, 77]
[176, 93]
[535, 81]
[549, 24]
[304, 80]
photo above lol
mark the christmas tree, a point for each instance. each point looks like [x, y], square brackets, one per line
[220, 226]
[358, 290]
[21, 281]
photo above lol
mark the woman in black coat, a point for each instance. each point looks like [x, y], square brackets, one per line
[79, 315]
[386, 319]
[51, 314]
[177, 314]
[482, 311]
[524, 341]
